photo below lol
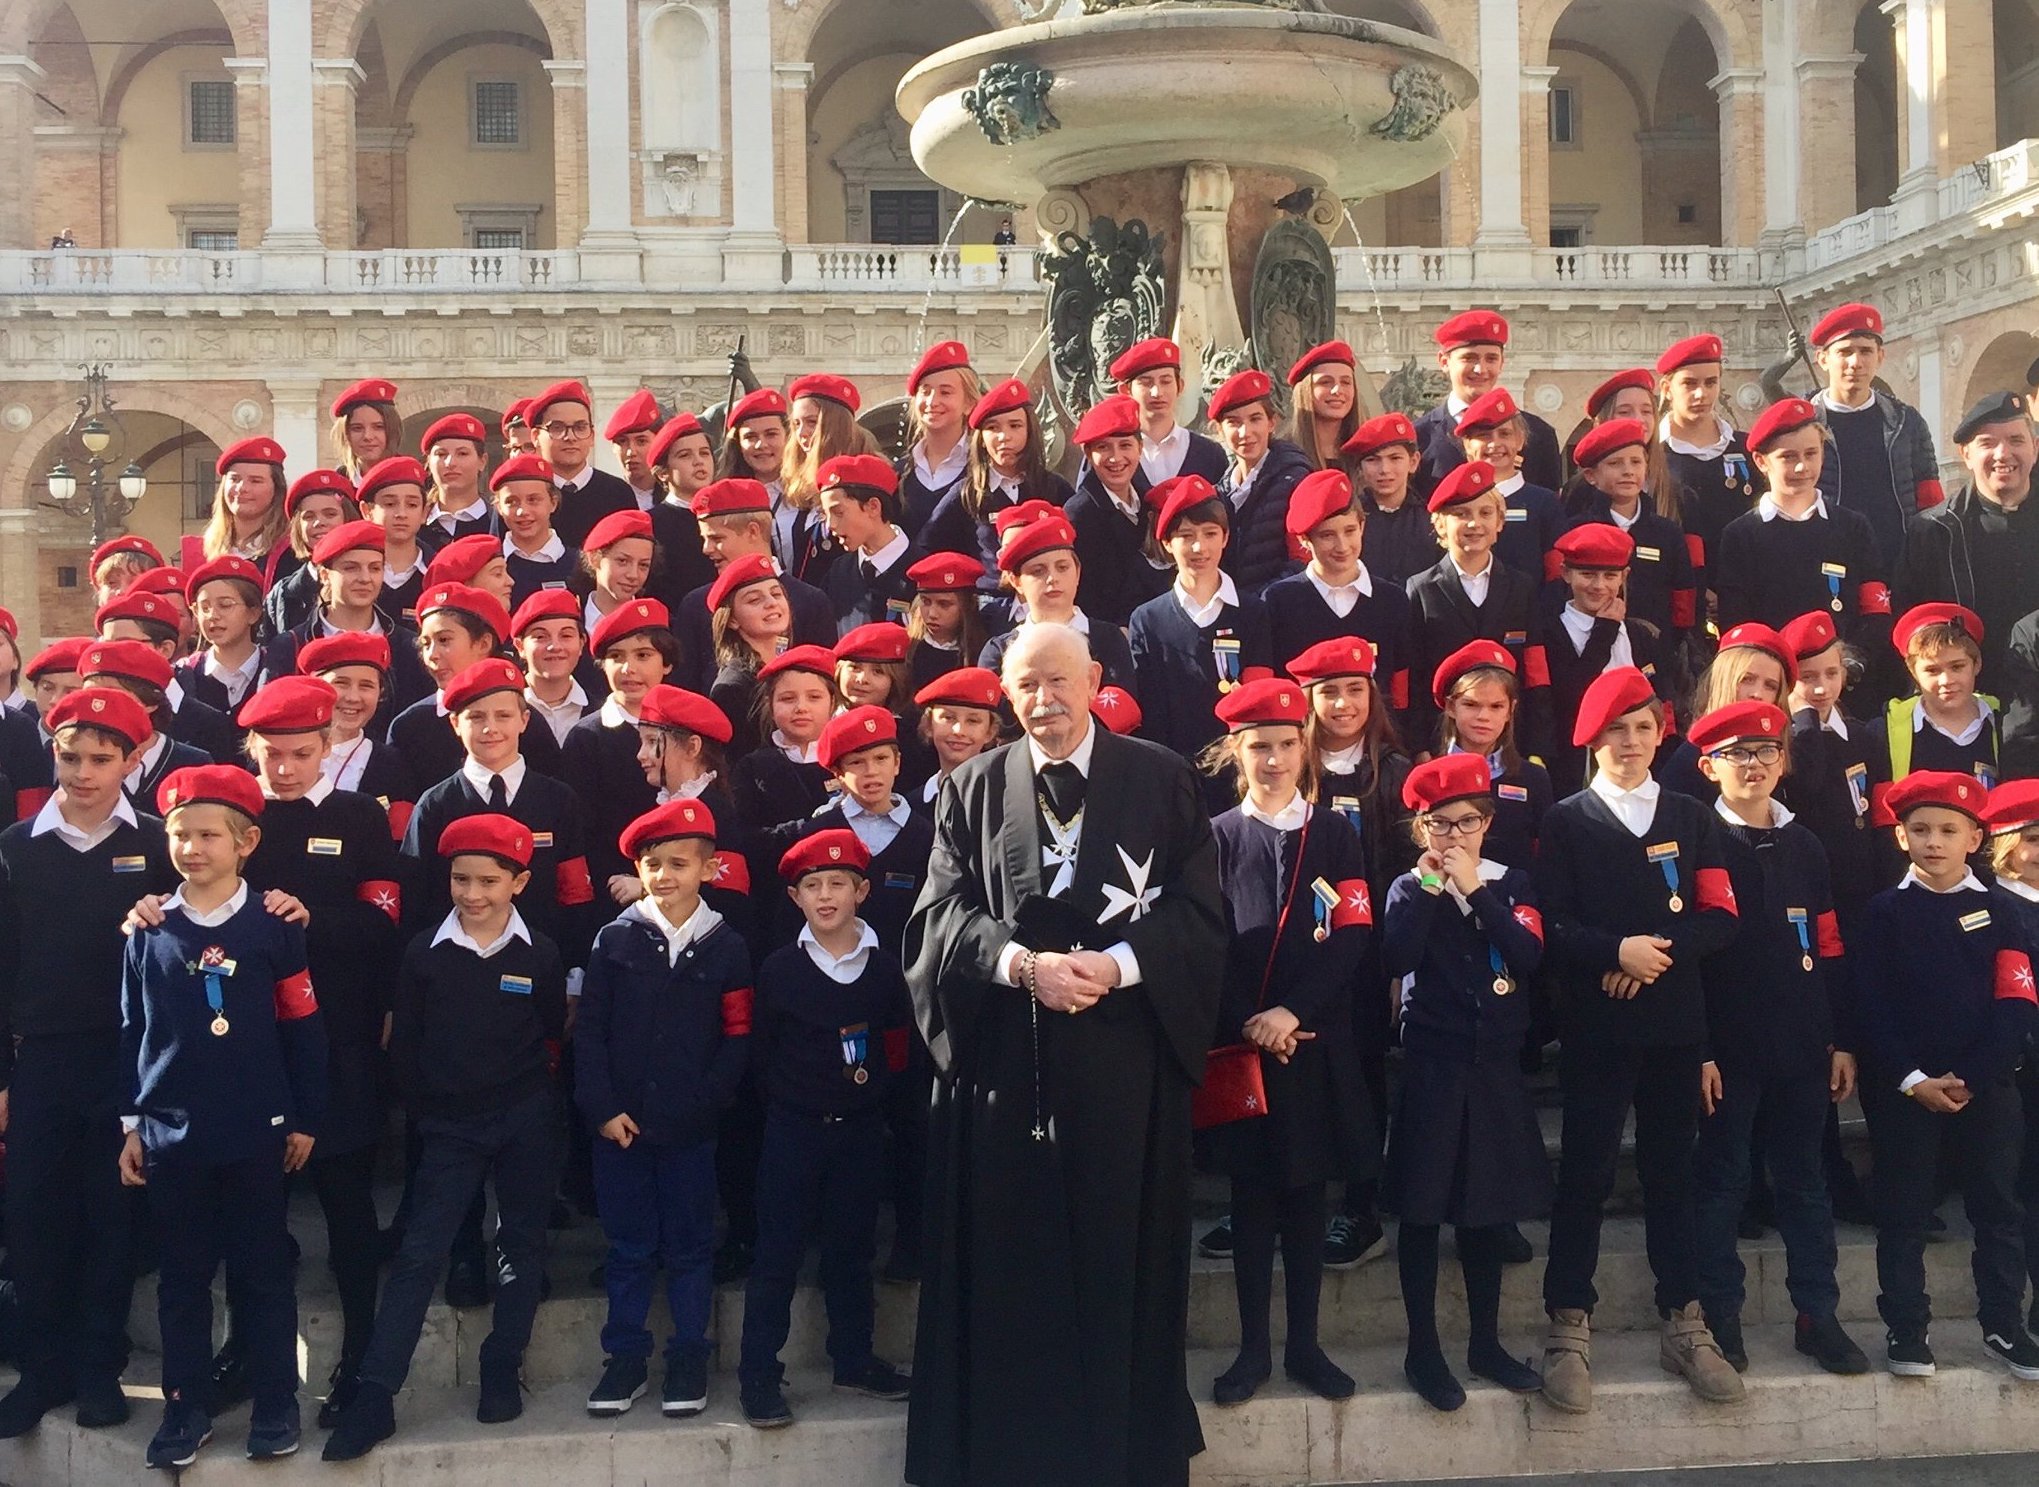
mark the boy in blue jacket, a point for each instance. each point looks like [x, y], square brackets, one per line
[661, 1040]
[226, 1056]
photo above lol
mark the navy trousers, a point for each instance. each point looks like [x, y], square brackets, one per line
[657, 1203]
[1788, 1117]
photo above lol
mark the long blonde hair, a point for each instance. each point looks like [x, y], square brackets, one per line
[973, 389]
[343, 453]
[218, 540]
[1302, 426]
[837, 433]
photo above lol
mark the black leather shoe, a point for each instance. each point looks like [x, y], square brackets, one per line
[1319, 1374]
[502, 1394]
[27, 1402]
[365, 1424]
[1514, 1245]
[1241, 1381]
[1727, 1336]
[341, 1391]
[764, 1406]
[1497, 1365]
[876, 1379]
[101, 1404]
[1431, 1377]
[1828, 1344]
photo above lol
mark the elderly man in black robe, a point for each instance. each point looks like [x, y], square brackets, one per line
[1064, 960]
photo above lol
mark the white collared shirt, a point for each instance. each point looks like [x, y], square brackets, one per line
[551, 550]
[449, 929]
[345, 764]
[18, 700]
[1242, 482]
[1623, 523]
[51, 818]
[1968, 735]
[1767, 509]
[1129, 507]
[1634, 809]
[328, 628]
[677, 936]
[1836, 724]
[1456, 406]
[948, 472]
[1206, 613]
[173, 695]
[236, 679]
[1490, 872]
[1724, 436]
[1511, 485]
[1475, 584]
[883, 559]
[1162, 458]
[479, 776]
[845, 968]
[646, 499]
[474, 510]
[394, 579]
[1579, 627]
[2019, 888]
[806, 753]
[578, 481]
[692, 789]
[560, 716]
[1342, 761]
[320, 789]
[1832, 404]
[1078, 756]
[1341, 599]
[877, 830]
[209, 918]
[146, 761]
[615, 714]
[1911, 879]
[1289, 818]
[1779, 816]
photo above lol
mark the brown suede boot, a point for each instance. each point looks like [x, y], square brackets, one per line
[1568, 1362]
[1688, 1348]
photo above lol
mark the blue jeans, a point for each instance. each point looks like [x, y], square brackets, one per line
[657, 1203]
[1792, 1129]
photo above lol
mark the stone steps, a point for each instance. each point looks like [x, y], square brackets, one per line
[1642, 1419]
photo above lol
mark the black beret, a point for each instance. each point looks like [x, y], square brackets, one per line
[2032, 373]
[1998, 407]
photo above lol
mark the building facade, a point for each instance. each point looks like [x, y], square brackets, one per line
[261, 200]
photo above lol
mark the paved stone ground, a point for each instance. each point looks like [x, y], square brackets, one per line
[1936, 1471]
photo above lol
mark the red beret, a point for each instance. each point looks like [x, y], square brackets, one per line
[731, 497]
[1028, 542]
[675, 429]
[546, 604]
[1239, 389]
[1642, 379]
[766, 402]
[1175, 495]
[865, 470]
[210, 784]
[1378, 433]
[367, 390]
[57, 657]
[559, 392]
[1318, 496]
[1941, 787]
[1848, 320]
[462, 558]
[101, 707]
[826, 386]
[131, 604]
[2012, 806]
[667, 706]
[398, 469]
[346, 537]
[1612, 694]
[456, 426]
[1810, 634]
[850, 732]
[836, 848]
[818, 659]
[1489, 410]
[1342, 655]
[1115, 708]
[882, 642]
[945, 573]
[1473, 656]
[633, 617]
[1254, 704]
[260, 450]
[1006, 522]
[141, 547]
[316, 483]
[1604, 439]
[943, 356]
[166, 580]
[1333, 353]
[482, 679]
[675, 821]
[966, 686]
[1919, 616]
[214, 569]
[348, 648]
[1738, 720]
[1145, 356]
[1462, 483]
[488, 835]
[636, 414]
[520, 467]
[1787, 416]
[1761, 637]
[737, 573]
[1692, 351]
[9, 626]
[1595, 544]
[616, 526]
[1009, 396]
[463, 599]
[1115, 417]
[1472, 328]
[289, 704]
[1446, 778]
[518, 412]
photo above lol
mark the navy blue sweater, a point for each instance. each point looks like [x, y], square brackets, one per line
[1452, 1009]
[1298, 618]
[1175, 660]
[814, 1033]
[471, 1035]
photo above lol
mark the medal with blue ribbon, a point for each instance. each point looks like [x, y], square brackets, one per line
[1225, 655]
[1834, 573]
[1502, 985]
[1858, 791]
[1323, 903]
[1665, 856]
[214, 965]
[856, 1043]
[1798, 922]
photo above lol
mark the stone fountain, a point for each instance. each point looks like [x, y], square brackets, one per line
[1221, 119]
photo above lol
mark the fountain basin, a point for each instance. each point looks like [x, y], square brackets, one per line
[1350, 105]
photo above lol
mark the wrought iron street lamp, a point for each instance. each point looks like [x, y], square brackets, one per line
[94, 435]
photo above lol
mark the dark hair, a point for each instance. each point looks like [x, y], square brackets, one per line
[105, 735]
[662, 640]
[1217, 509]
[1505, 746]
[473, 624]
[156, 632]
[979, 474]
[251, 595]
[889, 506]
[712, 758]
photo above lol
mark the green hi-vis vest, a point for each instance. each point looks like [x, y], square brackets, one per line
[1897, 731]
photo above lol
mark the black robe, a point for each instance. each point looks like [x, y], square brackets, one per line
[1055, 1293]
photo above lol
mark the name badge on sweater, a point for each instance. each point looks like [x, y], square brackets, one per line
[1986, 774]
[130, 864]
[1518, 513]
[1515, 637]
[323, 846]
[541, 839]
[1858, 790]
[515, 985]
[1978, 920]
[1648, 554]
[900, 881]
[1346, 806]
[553, 583]
[898, 609]
[1834, 570]
[1512, 792]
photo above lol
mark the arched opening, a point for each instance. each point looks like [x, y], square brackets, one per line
[1875, 108]
[415, 425]
[2015, 24]
[2004, 366]
[75, 166]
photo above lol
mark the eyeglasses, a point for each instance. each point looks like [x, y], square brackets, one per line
[1743, 755]
[1453, 825]
[568, 430]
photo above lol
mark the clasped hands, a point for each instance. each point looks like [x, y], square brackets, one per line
[1643, 958]
[1073, 982]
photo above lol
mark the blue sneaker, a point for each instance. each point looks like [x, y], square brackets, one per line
[273, 1433]
[184, 1430]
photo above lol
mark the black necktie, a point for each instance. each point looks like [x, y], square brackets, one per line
[1062, 783]
[499, 795]
[868, 568]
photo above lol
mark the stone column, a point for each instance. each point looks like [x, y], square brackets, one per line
[1534, 160]
[754, 251]
[1783, 226]
[791, 80]
[1503, 236]
[1740, 91]
[386, 153]
[251, 131]
[1918, 175]
[609, 249]
[1964, 83]
[293, 168]
[338, 80]
[295, 420]
[19, 79]
[1826, 139]
[1206, 310]
[569, 147]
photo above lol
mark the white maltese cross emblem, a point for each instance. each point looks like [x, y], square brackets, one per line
[1136, 898]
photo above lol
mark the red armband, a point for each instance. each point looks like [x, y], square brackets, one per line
[1355, 904]
[1684, 609]
[2014, 977]
[1830, 936]
[1928, 494]
[736, 1012]
[400, 812]
[294, 997]
[28, 804]
[381, 893]
[1715, 890]
[1535, 667]
[729, 870]
[572, 885]
[1527, 916]
[897, 1049]
[1398, 690]
[1873, 598]
[1695, 549]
